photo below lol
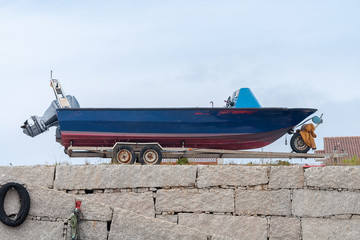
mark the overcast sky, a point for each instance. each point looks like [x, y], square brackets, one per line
[175, 54]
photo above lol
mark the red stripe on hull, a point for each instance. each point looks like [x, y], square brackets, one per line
[215, 141]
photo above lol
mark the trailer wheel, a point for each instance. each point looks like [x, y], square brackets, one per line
[297, 144]
[150, 155]
[123, 155]
[24, 208]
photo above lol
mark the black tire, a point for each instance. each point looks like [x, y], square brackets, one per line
[25, 204]
[123, 155]
[150, 155]
[297, 144]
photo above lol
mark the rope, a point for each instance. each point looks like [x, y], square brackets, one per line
[74, 219]
[47, 235]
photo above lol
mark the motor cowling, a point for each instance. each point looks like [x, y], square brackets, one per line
[37, 125]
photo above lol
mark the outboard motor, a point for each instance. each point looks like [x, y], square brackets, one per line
[36, 125]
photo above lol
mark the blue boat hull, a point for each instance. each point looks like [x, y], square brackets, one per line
[218, 128]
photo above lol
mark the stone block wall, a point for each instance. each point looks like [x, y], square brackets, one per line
[188, 202]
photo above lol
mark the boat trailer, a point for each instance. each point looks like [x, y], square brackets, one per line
[153, 153]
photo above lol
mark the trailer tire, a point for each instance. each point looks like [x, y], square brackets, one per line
[297, 144]
[150, 155]
[25, 204]
[123, 155]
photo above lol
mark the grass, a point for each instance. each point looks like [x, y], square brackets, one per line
[276, 163]
[354, 161]
[182, 161]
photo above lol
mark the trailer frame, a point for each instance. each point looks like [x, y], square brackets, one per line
[183, 152]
